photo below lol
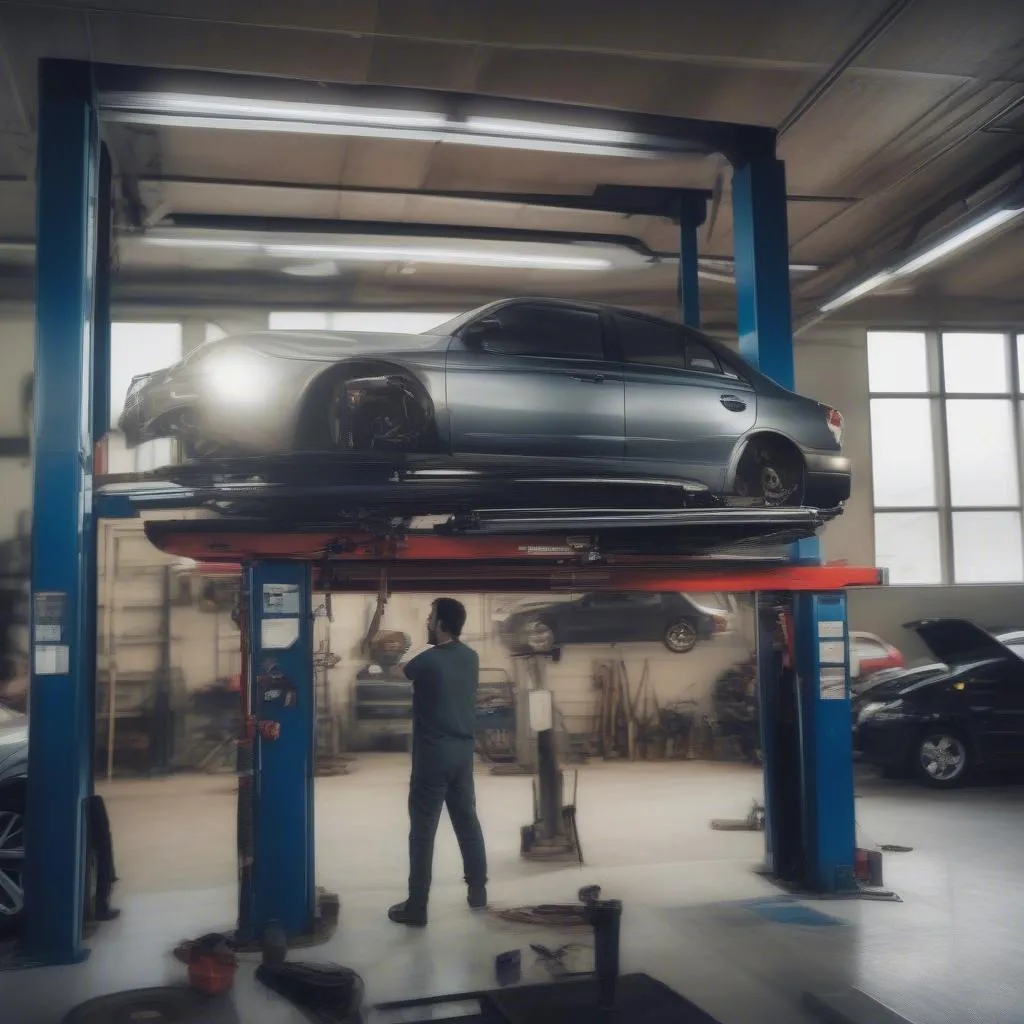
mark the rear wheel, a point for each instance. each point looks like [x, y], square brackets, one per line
[941, 758]
[12, 862]
[771, 470]
[680, 636]
[537, 636]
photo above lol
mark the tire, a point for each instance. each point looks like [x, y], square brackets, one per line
[941, 758]
[680, 636]
[12, 862]
[537, 637]
[771, 470]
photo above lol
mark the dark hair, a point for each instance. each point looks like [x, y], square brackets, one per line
[451, 615]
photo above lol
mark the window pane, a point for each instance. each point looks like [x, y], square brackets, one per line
[982, 452]
[902, 452]
[975, 363]
[298, 321]
[700, 357]
[136, 349]
[547, 331]
[907, 544]
[987, 547]
[651, 342]
[897, 361]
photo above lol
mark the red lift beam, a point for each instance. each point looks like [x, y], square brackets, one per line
[354, 562]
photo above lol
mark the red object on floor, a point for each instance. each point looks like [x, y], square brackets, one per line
[211, 975]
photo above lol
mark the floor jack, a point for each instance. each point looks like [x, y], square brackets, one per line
[553, 833]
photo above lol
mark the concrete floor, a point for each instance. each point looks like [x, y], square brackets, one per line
[949, 953]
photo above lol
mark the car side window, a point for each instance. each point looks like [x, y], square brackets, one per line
[651, 342]
[699, 357]
[554, 332]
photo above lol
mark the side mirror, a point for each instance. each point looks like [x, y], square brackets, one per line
[476, 334]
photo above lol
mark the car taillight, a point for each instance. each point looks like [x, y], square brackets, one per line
[721, 623]
[834, 419]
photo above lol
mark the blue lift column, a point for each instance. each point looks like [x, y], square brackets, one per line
[823, 784]
[61, 722]
[280, 678]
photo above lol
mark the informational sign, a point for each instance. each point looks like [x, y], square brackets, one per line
[280, 599]
[833, 684]
[278, 634]
[48, 612]
[52, 659]
[830, 629]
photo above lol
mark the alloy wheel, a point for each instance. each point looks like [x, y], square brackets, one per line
[538, 636]
[943, 757]
[12, 864]
[680, 637]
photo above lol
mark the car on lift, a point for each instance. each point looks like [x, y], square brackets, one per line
[521, 379]
[869, 655]
[940, 721]
[673, 619]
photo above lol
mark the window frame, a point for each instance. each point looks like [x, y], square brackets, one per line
[606, 354]
[937, 396]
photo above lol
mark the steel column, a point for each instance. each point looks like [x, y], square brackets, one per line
[282, 698]
[64, 538]
[761, 243]
[826, 741]
[692, 214]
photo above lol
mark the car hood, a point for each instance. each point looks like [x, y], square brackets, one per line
[903, 683]
[957, 640]
[328, 346]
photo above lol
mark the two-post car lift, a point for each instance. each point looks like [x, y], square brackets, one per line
[483, 545]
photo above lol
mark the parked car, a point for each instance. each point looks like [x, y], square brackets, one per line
[519, 378]
[13, 772]
[942, 720]
[674, 619]
[870, 654]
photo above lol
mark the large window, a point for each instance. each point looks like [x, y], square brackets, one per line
[947, 410]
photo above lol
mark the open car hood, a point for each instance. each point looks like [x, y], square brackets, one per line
[955, 641]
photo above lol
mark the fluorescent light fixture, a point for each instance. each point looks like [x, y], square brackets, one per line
[544, 256]
[857, 291]
[937, 252]
[958, 241]
[187, 110]
[460, 257]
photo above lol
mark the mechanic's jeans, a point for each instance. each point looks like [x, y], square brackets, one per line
[443, 775]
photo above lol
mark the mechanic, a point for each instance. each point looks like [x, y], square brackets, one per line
[444, 682]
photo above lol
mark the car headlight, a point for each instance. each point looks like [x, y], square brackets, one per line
[881, 711]
[237, 375]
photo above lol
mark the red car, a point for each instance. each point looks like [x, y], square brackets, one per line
[870, 653]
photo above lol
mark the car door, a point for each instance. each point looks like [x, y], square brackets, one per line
[616, 618]
[994, 698]
[685, 405]
[534, 379]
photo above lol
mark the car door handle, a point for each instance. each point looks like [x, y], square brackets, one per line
[588, 378]
[733, 403]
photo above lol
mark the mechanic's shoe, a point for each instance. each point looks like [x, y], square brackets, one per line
[406, 913]
[478, 897]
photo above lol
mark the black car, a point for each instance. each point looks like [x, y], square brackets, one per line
[938, 722]
[672, 618]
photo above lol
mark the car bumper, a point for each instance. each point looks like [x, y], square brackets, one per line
[884, 744]
[828, 479]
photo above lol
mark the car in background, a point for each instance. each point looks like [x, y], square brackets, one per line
[870, 654]
[612, 390]
[674, 619]
[941, 721]
[13, 775]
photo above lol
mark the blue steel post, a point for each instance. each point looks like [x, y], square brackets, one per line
[282, 700]
[826, 743]
[61, 722]
[691, 217]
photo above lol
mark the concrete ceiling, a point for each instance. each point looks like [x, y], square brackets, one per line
[886, 110]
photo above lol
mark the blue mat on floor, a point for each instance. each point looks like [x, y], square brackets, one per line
[785, 910]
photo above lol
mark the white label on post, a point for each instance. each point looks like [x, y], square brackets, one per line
[278, 634]
[831, 652]
[52, 659]
[833, 684]
[830, 629]
[542, 716]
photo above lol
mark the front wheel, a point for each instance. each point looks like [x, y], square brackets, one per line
[941, 759]
[537, 637]
[680, 636]
[12, 863]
